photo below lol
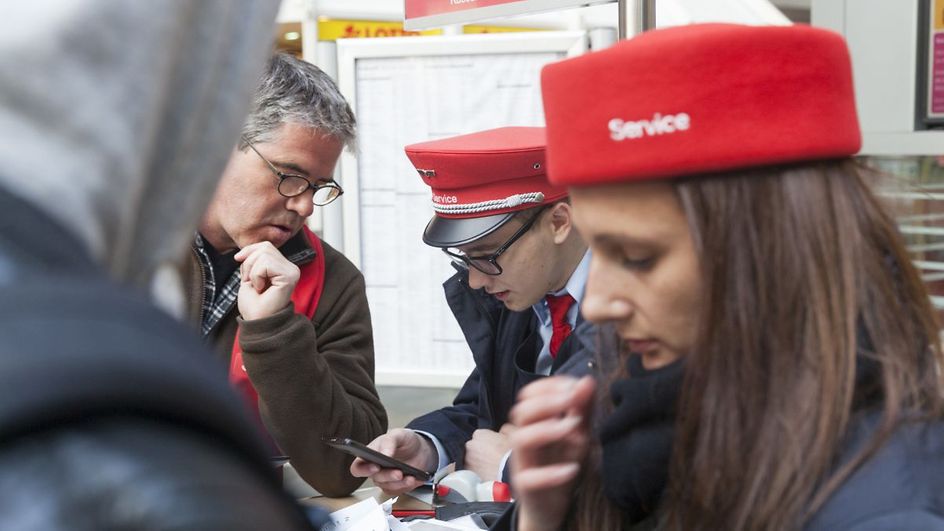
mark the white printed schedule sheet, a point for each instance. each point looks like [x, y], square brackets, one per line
[401, 99]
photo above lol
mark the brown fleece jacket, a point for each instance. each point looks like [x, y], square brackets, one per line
[313, 377]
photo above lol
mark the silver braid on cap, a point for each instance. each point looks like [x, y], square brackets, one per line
[492, 204]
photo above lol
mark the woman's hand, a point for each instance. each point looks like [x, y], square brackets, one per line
[553, 420]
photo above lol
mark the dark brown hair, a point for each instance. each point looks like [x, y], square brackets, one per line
[813, 314]
[807, 284]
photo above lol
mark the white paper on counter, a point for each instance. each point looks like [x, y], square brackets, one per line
[366, 515]
[439, 525]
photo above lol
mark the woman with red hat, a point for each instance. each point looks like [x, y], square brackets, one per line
[779, 363]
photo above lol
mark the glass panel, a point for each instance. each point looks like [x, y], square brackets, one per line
[913, 188]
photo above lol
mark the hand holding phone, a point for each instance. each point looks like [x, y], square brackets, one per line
[357, 449]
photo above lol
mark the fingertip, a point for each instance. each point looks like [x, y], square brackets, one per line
[584, 387]
[569, 470]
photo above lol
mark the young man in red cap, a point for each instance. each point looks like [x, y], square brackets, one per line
[521, 274]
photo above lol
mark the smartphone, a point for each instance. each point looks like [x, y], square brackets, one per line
[357, 449]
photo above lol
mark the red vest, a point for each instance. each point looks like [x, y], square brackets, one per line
[305, 299]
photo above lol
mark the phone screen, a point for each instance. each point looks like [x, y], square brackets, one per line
[357, 449]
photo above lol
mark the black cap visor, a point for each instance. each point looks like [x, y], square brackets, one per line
[454, 232]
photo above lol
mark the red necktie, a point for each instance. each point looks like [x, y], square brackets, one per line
[560, 328]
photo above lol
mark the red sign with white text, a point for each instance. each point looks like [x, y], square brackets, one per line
[937, 75]
[936, 63]
[426, 8]
[423, 14]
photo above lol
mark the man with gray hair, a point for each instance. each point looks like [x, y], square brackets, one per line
[286, 312]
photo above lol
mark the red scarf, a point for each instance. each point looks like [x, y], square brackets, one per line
[305, 300]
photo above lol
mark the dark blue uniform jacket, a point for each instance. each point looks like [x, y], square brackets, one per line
[505, 345]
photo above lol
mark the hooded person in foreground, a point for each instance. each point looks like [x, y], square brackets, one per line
[117, 122]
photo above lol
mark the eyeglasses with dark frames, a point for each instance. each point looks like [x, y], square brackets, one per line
[292, 185]
[488, 264]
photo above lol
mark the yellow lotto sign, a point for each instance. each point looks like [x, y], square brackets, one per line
[333, 29]
[938, 11]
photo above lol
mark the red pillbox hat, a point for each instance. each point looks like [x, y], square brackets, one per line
[480, 180]
[699, 99]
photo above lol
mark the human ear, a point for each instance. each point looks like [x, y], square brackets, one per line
[562, 222]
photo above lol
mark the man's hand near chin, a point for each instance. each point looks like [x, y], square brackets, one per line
[267, 280]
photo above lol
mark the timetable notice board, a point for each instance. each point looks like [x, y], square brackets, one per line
[408, 90]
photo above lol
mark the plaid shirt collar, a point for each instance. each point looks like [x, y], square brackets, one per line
[219, 297]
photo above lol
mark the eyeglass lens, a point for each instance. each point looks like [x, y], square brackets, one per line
[293, 185]
[484, 265]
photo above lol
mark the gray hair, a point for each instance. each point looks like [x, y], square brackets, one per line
[293, 90]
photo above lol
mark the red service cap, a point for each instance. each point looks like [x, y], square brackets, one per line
[698, 99]
[480, 180]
